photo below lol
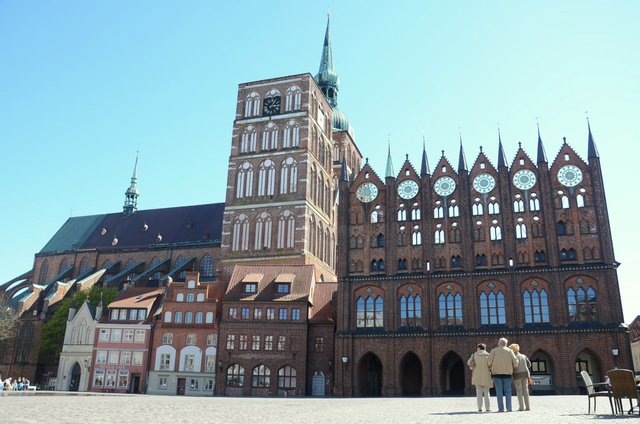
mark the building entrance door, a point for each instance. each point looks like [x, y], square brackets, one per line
[182, 383]
[74, 380]
[452, 374]
[135, 383]
[317, 384]
[370, 376]
[411, 375]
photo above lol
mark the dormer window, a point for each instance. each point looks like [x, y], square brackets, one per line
[114, 314]
[250, 288]
[283, 288]
[123, 314]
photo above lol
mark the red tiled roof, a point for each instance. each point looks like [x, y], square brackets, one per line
[301, 278]
[322, 309]
[136, 297]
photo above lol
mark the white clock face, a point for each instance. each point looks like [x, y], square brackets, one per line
[484, 183]
[524, 179]
[569, 175]
[408, 189]
[367, 192]
[444, 186]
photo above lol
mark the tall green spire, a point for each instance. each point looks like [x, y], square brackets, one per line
[132, 193]
[327, 78]
[389, 172]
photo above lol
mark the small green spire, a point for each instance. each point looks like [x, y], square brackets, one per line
[132, 193]
[389, 172]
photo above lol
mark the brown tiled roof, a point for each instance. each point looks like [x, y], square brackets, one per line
[136, 297]
[322, 309]
[301, 278]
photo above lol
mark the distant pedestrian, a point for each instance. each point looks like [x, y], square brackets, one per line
[502, 362]
[481, 376]
[521, 378]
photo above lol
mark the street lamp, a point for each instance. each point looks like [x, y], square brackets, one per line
[345, 360]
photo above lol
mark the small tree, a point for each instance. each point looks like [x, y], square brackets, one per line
[53, 331]
[8, 319]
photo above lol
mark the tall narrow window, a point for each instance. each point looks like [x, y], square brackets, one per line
[410, 310]
[244, 183]
[206, 266]
[438, 212]
[286, 230]
[534, 204]
[582, 304]
[248, 140]
[477, 209]
[288, 176]
[252, 105]
[369, 311]
[291, 134]
[492, 309]
[415, 213]
[266, 178]
[454, 211]
[536, 306]
[450, 309]
[293, 99]
[495, 232]
[240, 236]
[439, 237]
[263, 231]
[518, 205]
[565, 202]
[270, 137]
[580, 201]
[494, 208]
[521, 231]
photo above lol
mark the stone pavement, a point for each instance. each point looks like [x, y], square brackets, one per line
[56, 407]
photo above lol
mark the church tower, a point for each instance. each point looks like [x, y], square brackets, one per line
[132, 193]
[282, 184]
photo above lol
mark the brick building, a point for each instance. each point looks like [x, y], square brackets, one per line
[185, 341]
[123, 341]
[393, 278]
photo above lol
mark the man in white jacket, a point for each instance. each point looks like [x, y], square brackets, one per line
[481, 376]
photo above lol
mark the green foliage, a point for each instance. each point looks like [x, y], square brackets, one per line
[54, 329]
[8, 319]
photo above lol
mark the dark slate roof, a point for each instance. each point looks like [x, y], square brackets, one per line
[72, 234]
[179, 225]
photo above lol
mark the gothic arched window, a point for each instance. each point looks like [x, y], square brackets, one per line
[270, 137]
[244, 182]
[206, 266]
[450, 309]
[266, 178]
[288, 176]
[252, 105]
[293, 99]
[492, 309]
[263, 231]
[536, 306]
[240, 236]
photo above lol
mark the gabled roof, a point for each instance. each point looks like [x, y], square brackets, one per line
[322, 309]
[136, 297]
[300, 277]
[166, 226]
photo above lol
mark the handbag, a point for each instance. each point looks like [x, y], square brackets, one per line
[529, 380]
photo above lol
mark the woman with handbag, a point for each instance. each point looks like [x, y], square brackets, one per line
[521, 378]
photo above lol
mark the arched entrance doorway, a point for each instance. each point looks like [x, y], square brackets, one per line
[452, 374]
[587, 361]
[541, 373]
[370, 375]
[74, 378]
[411, 375]
[317, 384]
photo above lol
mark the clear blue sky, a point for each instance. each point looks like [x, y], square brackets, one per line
[84, 84]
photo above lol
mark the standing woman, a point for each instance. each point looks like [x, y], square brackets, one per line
[521, 377]
[481, 376]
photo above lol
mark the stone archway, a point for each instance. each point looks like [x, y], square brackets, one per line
[74, 378]
[589, 362]
[370, 375]
[542, 371]
[411, 375]
[452, 374]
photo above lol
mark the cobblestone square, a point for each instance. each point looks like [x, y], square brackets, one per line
[61, 408]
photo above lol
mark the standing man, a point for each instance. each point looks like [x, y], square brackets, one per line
[502, 361]
[481, 376]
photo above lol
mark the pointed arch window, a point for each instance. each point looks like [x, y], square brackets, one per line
[263, 232]
[235, 376]
[439, 237]
[286, 230]
[495, 232]
[454, 211]
[84, 265]
[240, 237]
[206, 266]
[518, 205]
[450, 309]
[565, 202]
[494, 208]
[293, 99]
[402, 264]
[410, 310]
[438, 212]
[477, 209]
[492, 309]
[261, 376]
[415, 213]
[568, 254]
[481, 260]
[402, 214]
[44, 270]
[534, 203]
[266, 178]
[539, 256]
[244, 185]
[270, 137]
[287, 377]
[582, 304]
[288, 176]
[561, 228]
[252, 105]
[536, 306]
[291, 134]
[248, 140]
[369, 312]
[521, 231]
[580, 201]
[416, 236]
